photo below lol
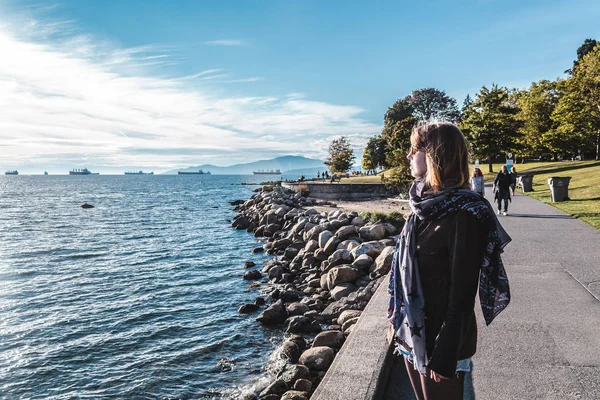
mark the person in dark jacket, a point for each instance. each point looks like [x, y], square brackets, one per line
[450, 245]
[502, 189]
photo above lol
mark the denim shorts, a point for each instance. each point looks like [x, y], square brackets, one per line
[463, 365]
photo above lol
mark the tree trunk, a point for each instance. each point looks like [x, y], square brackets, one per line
[490, 163]
[597, 144]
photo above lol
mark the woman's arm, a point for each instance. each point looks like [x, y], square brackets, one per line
[466, 254]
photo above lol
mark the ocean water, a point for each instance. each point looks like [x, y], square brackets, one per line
[136, 298]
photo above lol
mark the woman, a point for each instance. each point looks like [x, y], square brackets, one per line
[502, 189]
[450, 237]
[477, 184]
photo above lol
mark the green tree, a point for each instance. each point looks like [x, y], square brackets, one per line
[536, 106]
[577, 113]
[341, 156]
[374, 155]
[490, 123]
[431, 103]
[587, 46]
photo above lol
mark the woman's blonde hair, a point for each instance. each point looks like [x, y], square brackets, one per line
[447, 156]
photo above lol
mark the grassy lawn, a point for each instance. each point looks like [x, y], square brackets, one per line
[584, 188]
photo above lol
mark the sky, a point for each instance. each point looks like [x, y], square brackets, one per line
[156, 85]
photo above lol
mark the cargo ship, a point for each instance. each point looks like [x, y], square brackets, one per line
[200, 172]
[270, 172]
[13, 172]
[138, 173]
[83, 171]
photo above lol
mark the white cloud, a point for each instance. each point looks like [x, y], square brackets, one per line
[226, 42]
[70, 101]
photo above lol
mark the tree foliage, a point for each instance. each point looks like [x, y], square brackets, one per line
[577, 114]
[536, 106]
[490, 123]
[341, 156]
[375, 153]
[430, 103]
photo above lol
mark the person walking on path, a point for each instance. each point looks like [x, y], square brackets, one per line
[501, 188]
[450, 238]
[477, 183]
[513, 179]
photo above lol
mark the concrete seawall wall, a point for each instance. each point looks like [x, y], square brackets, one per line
[340, 191]
[361, 368]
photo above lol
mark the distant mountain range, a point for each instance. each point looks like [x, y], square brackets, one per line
[284, 164]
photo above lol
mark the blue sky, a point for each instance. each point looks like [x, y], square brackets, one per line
[162, 84]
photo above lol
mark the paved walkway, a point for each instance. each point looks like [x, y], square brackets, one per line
[546, 344]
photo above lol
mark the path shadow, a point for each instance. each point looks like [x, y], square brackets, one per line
[559, 169]
[399, 388]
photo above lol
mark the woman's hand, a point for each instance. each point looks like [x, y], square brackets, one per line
[435, 376]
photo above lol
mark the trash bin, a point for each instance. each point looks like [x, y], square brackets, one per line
[526, 182]
[559, 188]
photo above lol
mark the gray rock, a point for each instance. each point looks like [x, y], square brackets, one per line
[273, 315]
[271, 229]
[313, 233]
[347, 315]
[317, 358]
[295, 395]
[342, 290]
[348, 245]
[348, 323]
[324, 238]
[331, 245]
[358, 221]
[303, 385]
[249, 264]
[390, 230]
[301, 324]
[363, 262]
[333, 339]
[341, 274]
[292, 372]
[290, 351]
[278, 387]
[383, 262]
[240, 223]
[340, 257]
[346, 232]
[320, 255]
[372, 232]
[297, 309]
[281, 244]
[252, 275]
[248, 308]
[312, 245]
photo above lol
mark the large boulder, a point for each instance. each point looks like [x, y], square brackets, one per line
[297, 308]
[271, 229]
[295, 395]
[292, 372]
[324, 238]
[331, 245]
[390, 230]
[372, 249]
[290, 351]
[317, 358]
[363, 262]
[252, 275]
[278, 388]
[347, 315]
[346, 232]
[241, 222]
[372, 232]
[333, 339]
[342, 274]
[342, 290]
[340, 257]
[248, 308]
[311, 246]
[348, 245]
[301, 324]
[358, 221]
[313, 233]
[383, 262]
[273, 315]
[281, 244]
[297, 228]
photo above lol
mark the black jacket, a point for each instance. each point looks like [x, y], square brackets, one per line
[450, 253]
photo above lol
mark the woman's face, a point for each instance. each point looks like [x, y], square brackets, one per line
[418, 166]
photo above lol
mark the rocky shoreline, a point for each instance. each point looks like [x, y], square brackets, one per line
[325, 269]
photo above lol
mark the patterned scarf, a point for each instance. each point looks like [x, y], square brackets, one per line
[406, 306]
